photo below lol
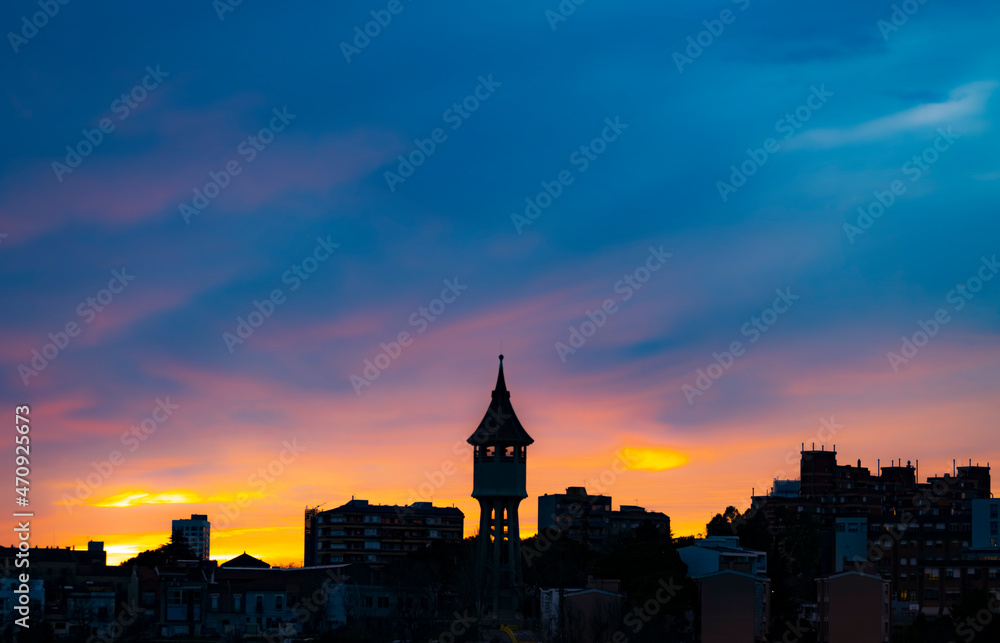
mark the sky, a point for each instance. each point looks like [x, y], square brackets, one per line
[257, 259]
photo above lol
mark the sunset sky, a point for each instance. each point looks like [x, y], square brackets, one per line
[639, 132]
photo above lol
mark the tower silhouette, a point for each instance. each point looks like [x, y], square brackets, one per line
[500, 448]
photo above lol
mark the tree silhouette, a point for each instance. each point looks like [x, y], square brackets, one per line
[170, 552]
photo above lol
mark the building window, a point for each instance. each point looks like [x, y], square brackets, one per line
[148, 599]
[368, 601]
[237, 602]
[279, 602]
[383, 602]
[260, 603]
[215, 601]
[993, 510]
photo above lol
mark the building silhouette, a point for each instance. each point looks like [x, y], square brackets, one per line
[930, 540]
[578, 516]
[196, 532]
[360, 532]
[588, 519]
[627, 520]
[733, 590]
[500, 447]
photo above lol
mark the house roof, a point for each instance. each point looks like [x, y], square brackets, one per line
[246, 560]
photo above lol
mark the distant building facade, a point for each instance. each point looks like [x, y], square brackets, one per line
[932, 541]
[591, 614]
[589, 520]
[578, 516]
[196, 531]
[986, 523]
[733, 590]
[629, 518]
[853, 607]
[359, 532]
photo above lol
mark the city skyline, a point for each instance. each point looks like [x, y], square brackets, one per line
[276, 253]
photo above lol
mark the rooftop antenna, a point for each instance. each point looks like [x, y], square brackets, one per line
[880, 466]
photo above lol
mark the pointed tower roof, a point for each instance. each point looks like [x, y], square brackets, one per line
[500, 424]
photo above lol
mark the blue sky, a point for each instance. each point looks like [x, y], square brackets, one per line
[887, 96]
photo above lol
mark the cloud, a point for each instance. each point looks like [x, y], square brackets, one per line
[964, 104]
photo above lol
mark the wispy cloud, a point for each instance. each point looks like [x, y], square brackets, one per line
[965, 106]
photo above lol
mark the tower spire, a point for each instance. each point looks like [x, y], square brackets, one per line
[501, 386]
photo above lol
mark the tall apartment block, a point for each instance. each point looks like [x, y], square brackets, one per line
[196, 531]
[931, 540]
